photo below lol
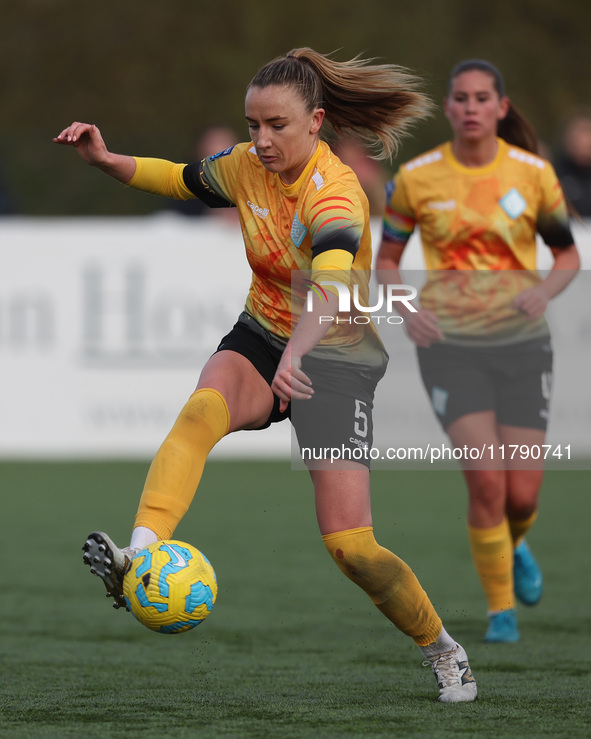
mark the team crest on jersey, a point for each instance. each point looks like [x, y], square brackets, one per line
[513, 203]
[298, 231]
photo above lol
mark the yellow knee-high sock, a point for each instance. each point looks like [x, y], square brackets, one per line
[176, 470]
[520, 528]
[492, 552]
[388, 581]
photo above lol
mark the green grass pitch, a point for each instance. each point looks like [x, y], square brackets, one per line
[292, 648]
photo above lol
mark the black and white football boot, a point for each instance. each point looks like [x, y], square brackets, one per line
[109, 562]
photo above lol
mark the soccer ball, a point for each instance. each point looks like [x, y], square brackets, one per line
[170, 587]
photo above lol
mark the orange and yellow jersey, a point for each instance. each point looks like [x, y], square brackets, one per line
[474, 220]
[285, 226]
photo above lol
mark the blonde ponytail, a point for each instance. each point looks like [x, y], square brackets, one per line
[375, 103]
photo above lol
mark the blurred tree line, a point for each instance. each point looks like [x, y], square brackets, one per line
[153, 74]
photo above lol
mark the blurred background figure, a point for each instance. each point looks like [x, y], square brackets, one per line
[370, 172]
[573, 161]
[211, 141]
[486, 365]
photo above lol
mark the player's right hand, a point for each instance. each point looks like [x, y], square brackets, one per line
[290, 381]
[422, 327]
[87, 140]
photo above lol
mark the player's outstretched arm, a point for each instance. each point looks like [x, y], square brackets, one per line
[88, 142]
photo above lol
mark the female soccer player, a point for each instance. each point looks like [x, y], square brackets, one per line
[300, 210]
[483, 344]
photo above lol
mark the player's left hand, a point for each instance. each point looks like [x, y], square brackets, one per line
[532, 302]
[290, 381]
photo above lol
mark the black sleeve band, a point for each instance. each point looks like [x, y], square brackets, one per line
[555, 234]
[339, 240]
[195, 181]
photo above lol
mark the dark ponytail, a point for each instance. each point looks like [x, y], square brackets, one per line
[517, 130]
[514, 128]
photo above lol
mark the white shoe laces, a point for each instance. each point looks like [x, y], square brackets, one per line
[129, 554]
[446, 669]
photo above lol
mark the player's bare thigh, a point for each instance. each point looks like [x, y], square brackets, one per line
[342, 497]
[474, 431]
[249, 398]
[498, 484]
[485, 478]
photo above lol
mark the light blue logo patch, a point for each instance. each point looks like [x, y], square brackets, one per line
[223, 153]
[513, 203]
[439, 400]
[298, 231]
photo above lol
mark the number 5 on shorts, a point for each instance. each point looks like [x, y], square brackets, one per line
[361, 419]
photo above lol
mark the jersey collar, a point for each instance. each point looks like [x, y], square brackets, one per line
[491, 166]
[306, 174]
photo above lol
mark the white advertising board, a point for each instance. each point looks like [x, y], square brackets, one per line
[104, 327]
[105, 324]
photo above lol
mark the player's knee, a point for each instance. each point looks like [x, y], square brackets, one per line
[487, 488]
[364, 561]
[522, 493]
[206, 406]
[521, 509]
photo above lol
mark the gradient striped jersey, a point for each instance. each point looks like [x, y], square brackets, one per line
[286, 226]
[478, 219]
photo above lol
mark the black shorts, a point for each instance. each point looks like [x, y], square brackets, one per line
[340, 413]
[250, 339]
[336, 423]
[514, 380]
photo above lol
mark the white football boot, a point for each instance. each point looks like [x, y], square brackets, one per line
[454, 676]
[108, 562]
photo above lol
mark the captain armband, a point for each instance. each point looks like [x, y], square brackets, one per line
[334, 265]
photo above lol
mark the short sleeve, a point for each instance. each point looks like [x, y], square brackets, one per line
[337, 220]
[214, 178]
[553, 221]
[399, 217]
